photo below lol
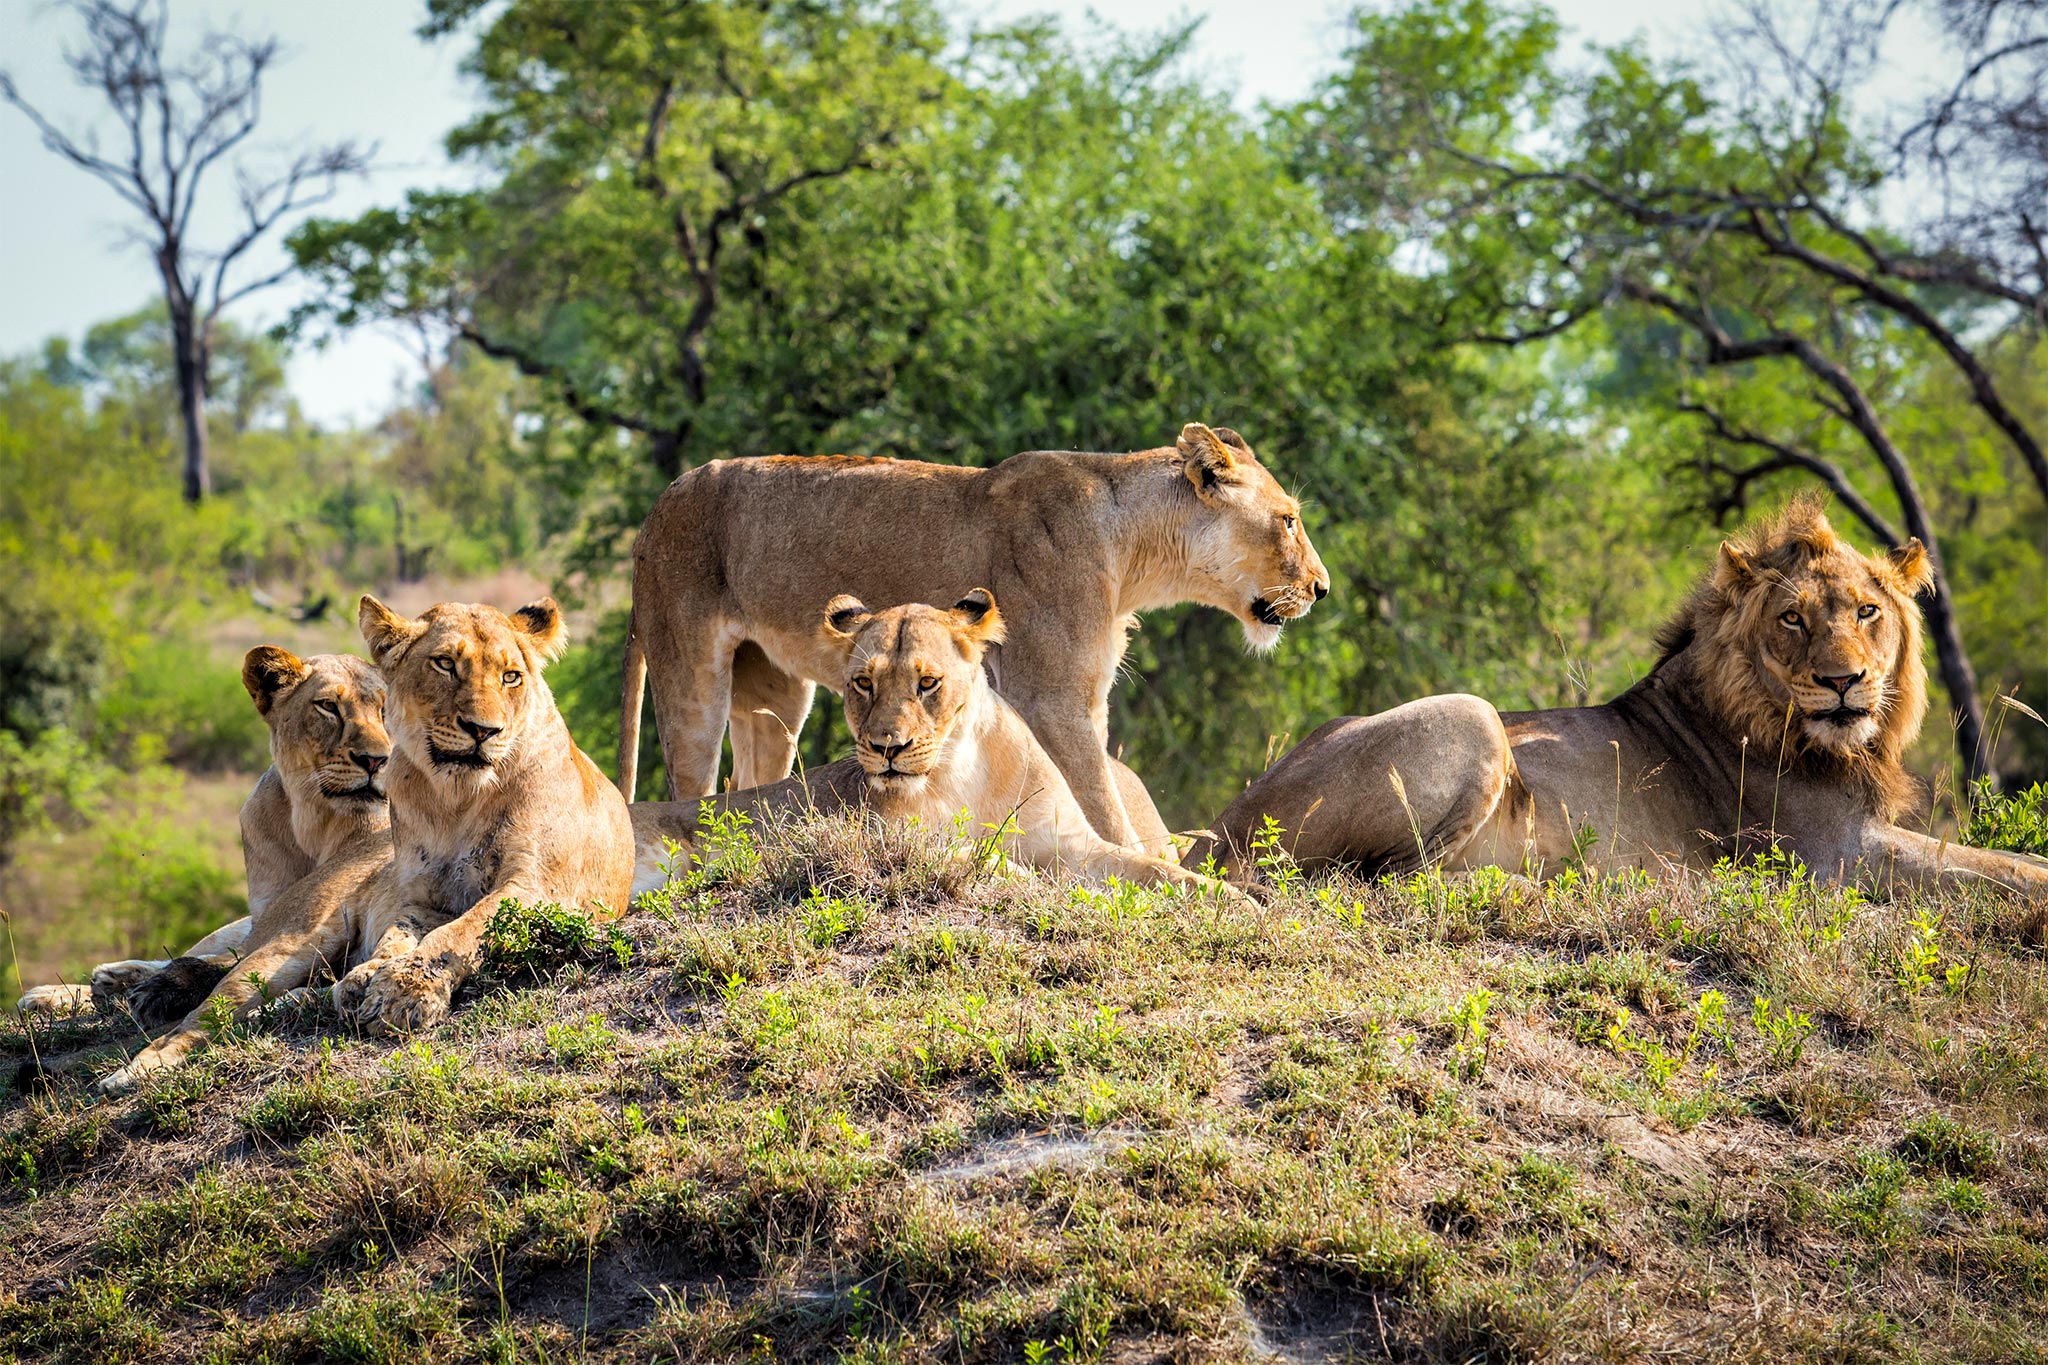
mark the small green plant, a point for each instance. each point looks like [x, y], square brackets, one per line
[1938, 1144]
[828, 919]
[726, 853]
[1784, 1032]
[1120, 900]
[1920, 957]
[1271, 858]
[778, 1020]
[588, 1040]
[1468, 1052]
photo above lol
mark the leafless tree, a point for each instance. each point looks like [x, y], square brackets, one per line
[176, 121]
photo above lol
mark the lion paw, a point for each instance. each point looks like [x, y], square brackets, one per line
[111, 981]
[143, 1065]
[181, 987]
[407, 996]
[55, 1000]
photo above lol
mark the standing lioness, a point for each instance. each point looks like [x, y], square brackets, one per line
[738, 559]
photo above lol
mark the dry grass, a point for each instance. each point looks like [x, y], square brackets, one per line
[849, 1101]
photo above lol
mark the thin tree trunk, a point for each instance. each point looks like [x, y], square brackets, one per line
[1958, 678]
[191, 365]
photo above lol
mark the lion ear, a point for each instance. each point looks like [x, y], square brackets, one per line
[384, 630]
[1914, 568]
[541, 623]
[1205, 458]
[1231, 438]
[976, 617]
[268, 673]
[844, 616]
[1734, 571]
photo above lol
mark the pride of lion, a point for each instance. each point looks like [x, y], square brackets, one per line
[410, 794]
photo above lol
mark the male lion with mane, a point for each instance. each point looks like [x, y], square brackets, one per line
[490, 799]
[322, 794]
[739, 556]
[1789, 685]
[931, 740]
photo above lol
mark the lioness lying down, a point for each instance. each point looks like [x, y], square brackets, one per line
[1694, 762]
[932, 739]
[739, 556]
[323, 792]
[490, 798]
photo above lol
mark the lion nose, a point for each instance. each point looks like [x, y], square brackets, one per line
[479, 731]
[1322, 589]
[370, 763]
[1840, 682]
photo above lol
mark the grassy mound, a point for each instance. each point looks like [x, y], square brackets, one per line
[838, 1095]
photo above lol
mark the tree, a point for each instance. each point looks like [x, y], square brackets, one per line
[1725, 229]
[178, 121]
[646, 154]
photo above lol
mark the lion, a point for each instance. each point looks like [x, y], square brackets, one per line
[739, 556]
[1788, 687]
[490, 799]
[323, 791]
[933, 739]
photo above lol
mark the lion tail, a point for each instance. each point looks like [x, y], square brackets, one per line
[629, 712]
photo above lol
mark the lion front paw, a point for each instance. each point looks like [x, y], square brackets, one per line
[407, 996]
[181, 987]
[111, 982]
[55, 1000]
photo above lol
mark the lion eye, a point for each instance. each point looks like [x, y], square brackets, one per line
[1792, 619]
[862, 685]
[1866, 611]
[444, 663]
[511, 678]
[1288, 521]
[927, 684]
[328, 709]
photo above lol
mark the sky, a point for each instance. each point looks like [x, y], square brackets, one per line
[354, 69]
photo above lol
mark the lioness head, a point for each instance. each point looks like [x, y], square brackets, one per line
[1250, 551]
[465, 682]
[910, 673]
[326, 719]
[1812, 629]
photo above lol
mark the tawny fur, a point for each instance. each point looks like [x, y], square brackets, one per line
[1695, 762]
[738, 558]
[323, 791]
[490, 799]
[932, 740]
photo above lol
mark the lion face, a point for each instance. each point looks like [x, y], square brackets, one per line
[1832, 634]
[1249, 549]
[465, 682]
[911, 672]
[326, 719]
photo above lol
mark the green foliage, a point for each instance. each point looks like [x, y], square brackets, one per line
[1939, 1144]
[2017, 821]
[1784, 1033]
[539, 940]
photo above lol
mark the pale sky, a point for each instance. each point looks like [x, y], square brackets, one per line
[353, 68]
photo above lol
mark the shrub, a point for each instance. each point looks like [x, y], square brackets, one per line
[542, 939]
[2018, 822]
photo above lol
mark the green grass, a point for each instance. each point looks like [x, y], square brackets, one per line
[849, 1100]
